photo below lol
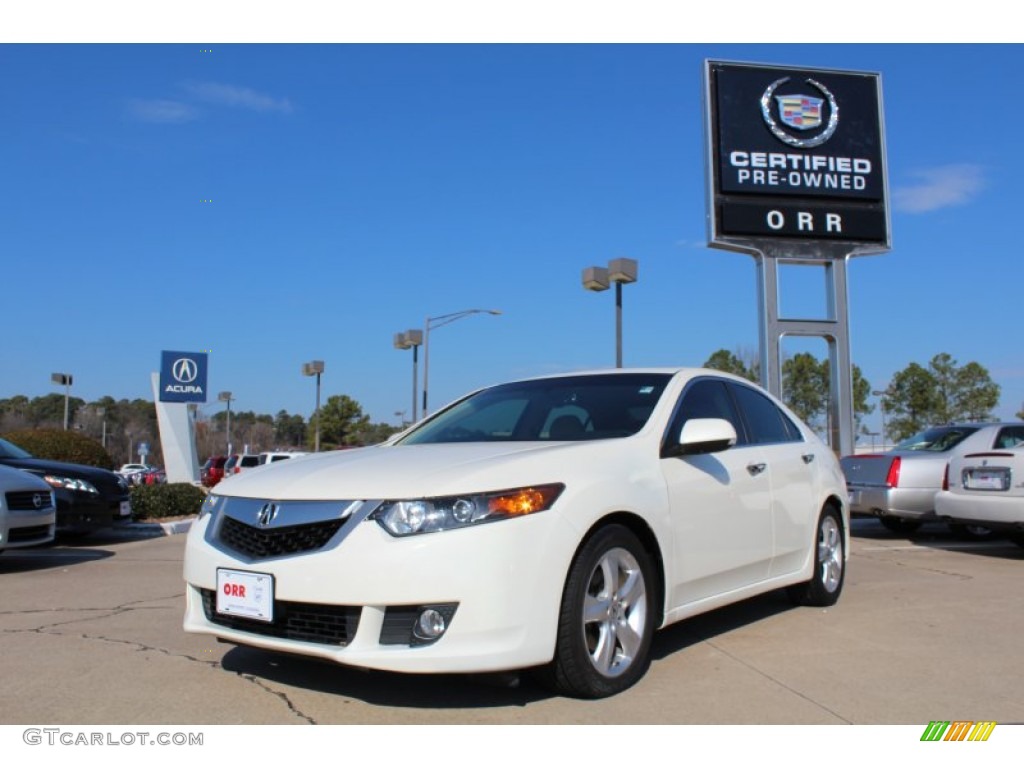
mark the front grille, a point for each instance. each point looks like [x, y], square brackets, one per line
[273, 542]
[309, 622]
[28, 533]
[26, 501]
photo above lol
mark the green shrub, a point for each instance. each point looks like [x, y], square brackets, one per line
[152, 502]
[61, 445]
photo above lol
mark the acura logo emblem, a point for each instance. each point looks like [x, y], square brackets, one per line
[267, 514]
[185, 370]
[37, 501]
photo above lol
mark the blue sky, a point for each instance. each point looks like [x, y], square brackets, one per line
[280, 203]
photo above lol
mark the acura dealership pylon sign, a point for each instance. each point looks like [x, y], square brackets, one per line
[795, 154]
[183, 377]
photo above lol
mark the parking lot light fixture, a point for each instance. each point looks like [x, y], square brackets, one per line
[413, 339]
[618, 271]
[226, 398]
[315, 368]
[436, 322]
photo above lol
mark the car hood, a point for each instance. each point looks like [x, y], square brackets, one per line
[410, 471]
[16, 479]
[104, 480]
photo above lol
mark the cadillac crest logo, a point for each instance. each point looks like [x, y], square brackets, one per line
[801, 113]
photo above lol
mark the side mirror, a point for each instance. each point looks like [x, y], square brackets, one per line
[703, 436]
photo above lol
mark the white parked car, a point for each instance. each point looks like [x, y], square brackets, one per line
[28, 510]
[551, 523]
[134, 473]
[986, 489]
[270, 457]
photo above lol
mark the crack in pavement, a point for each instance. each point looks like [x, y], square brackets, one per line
[915, 566]
[778, 682]
[279, 694]
[53, 628]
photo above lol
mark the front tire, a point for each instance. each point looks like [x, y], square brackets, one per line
[825, 586]
[607, 617]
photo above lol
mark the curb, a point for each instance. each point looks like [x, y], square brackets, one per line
[162, 529]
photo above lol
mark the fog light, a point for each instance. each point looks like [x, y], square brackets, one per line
[430, 625]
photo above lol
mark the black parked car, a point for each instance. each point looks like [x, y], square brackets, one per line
[87, 497]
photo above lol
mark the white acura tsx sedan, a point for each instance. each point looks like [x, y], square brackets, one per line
[550, 524]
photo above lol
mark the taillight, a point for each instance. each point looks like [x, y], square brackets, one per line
[892, 479]
[945, 479]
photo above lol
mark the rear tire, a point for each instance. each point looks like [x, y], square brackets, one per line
[825, 586]
[607, 617]
[972, 532]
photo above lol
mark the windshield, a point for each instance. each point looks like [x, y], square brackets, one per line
[936, 439]
[11, 451]
[565, 408]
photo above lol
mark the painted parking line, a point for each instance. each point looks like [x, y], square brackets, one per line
[937, 545]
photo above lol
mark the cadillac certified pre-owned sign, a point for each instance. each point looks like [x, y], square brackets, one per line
[795, 153]
[183, 377]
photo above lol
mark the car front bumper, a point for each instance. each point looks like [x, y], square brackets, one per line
[82, 511]
[22, 528]
[503, 579]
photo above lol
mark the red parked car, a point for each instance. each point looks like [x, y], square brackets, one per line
[213, 470]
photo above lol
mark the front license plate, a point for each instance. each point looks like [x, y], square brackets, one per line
[244, 593]
[994, 479]
[126, 509]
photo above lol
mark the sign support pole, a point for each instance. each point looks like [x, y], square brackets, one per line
[833, 328]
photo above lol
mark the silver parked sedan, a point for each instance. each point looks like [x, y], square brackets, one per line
[899, 486]
[27, 509]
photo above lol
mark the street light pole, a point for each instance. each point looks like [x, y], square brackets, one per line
[225, 397]
[437, 322]
[315, 368]
[618, 271]
[102, 413]
[64, 379]
[881, 405]
[411, 338]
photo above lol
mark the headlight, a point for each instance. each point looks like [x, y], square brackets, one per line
[210, 505]
[71, 484]
[409, 517]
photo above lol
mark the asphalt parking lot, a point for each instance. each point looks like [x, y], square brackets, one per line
[928, 628]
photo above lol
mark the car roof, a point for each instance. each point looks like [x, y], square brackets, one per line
[688, 371]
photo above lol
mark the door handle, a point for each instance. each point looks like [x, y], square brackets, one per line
[808, 458]
[756, 469]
